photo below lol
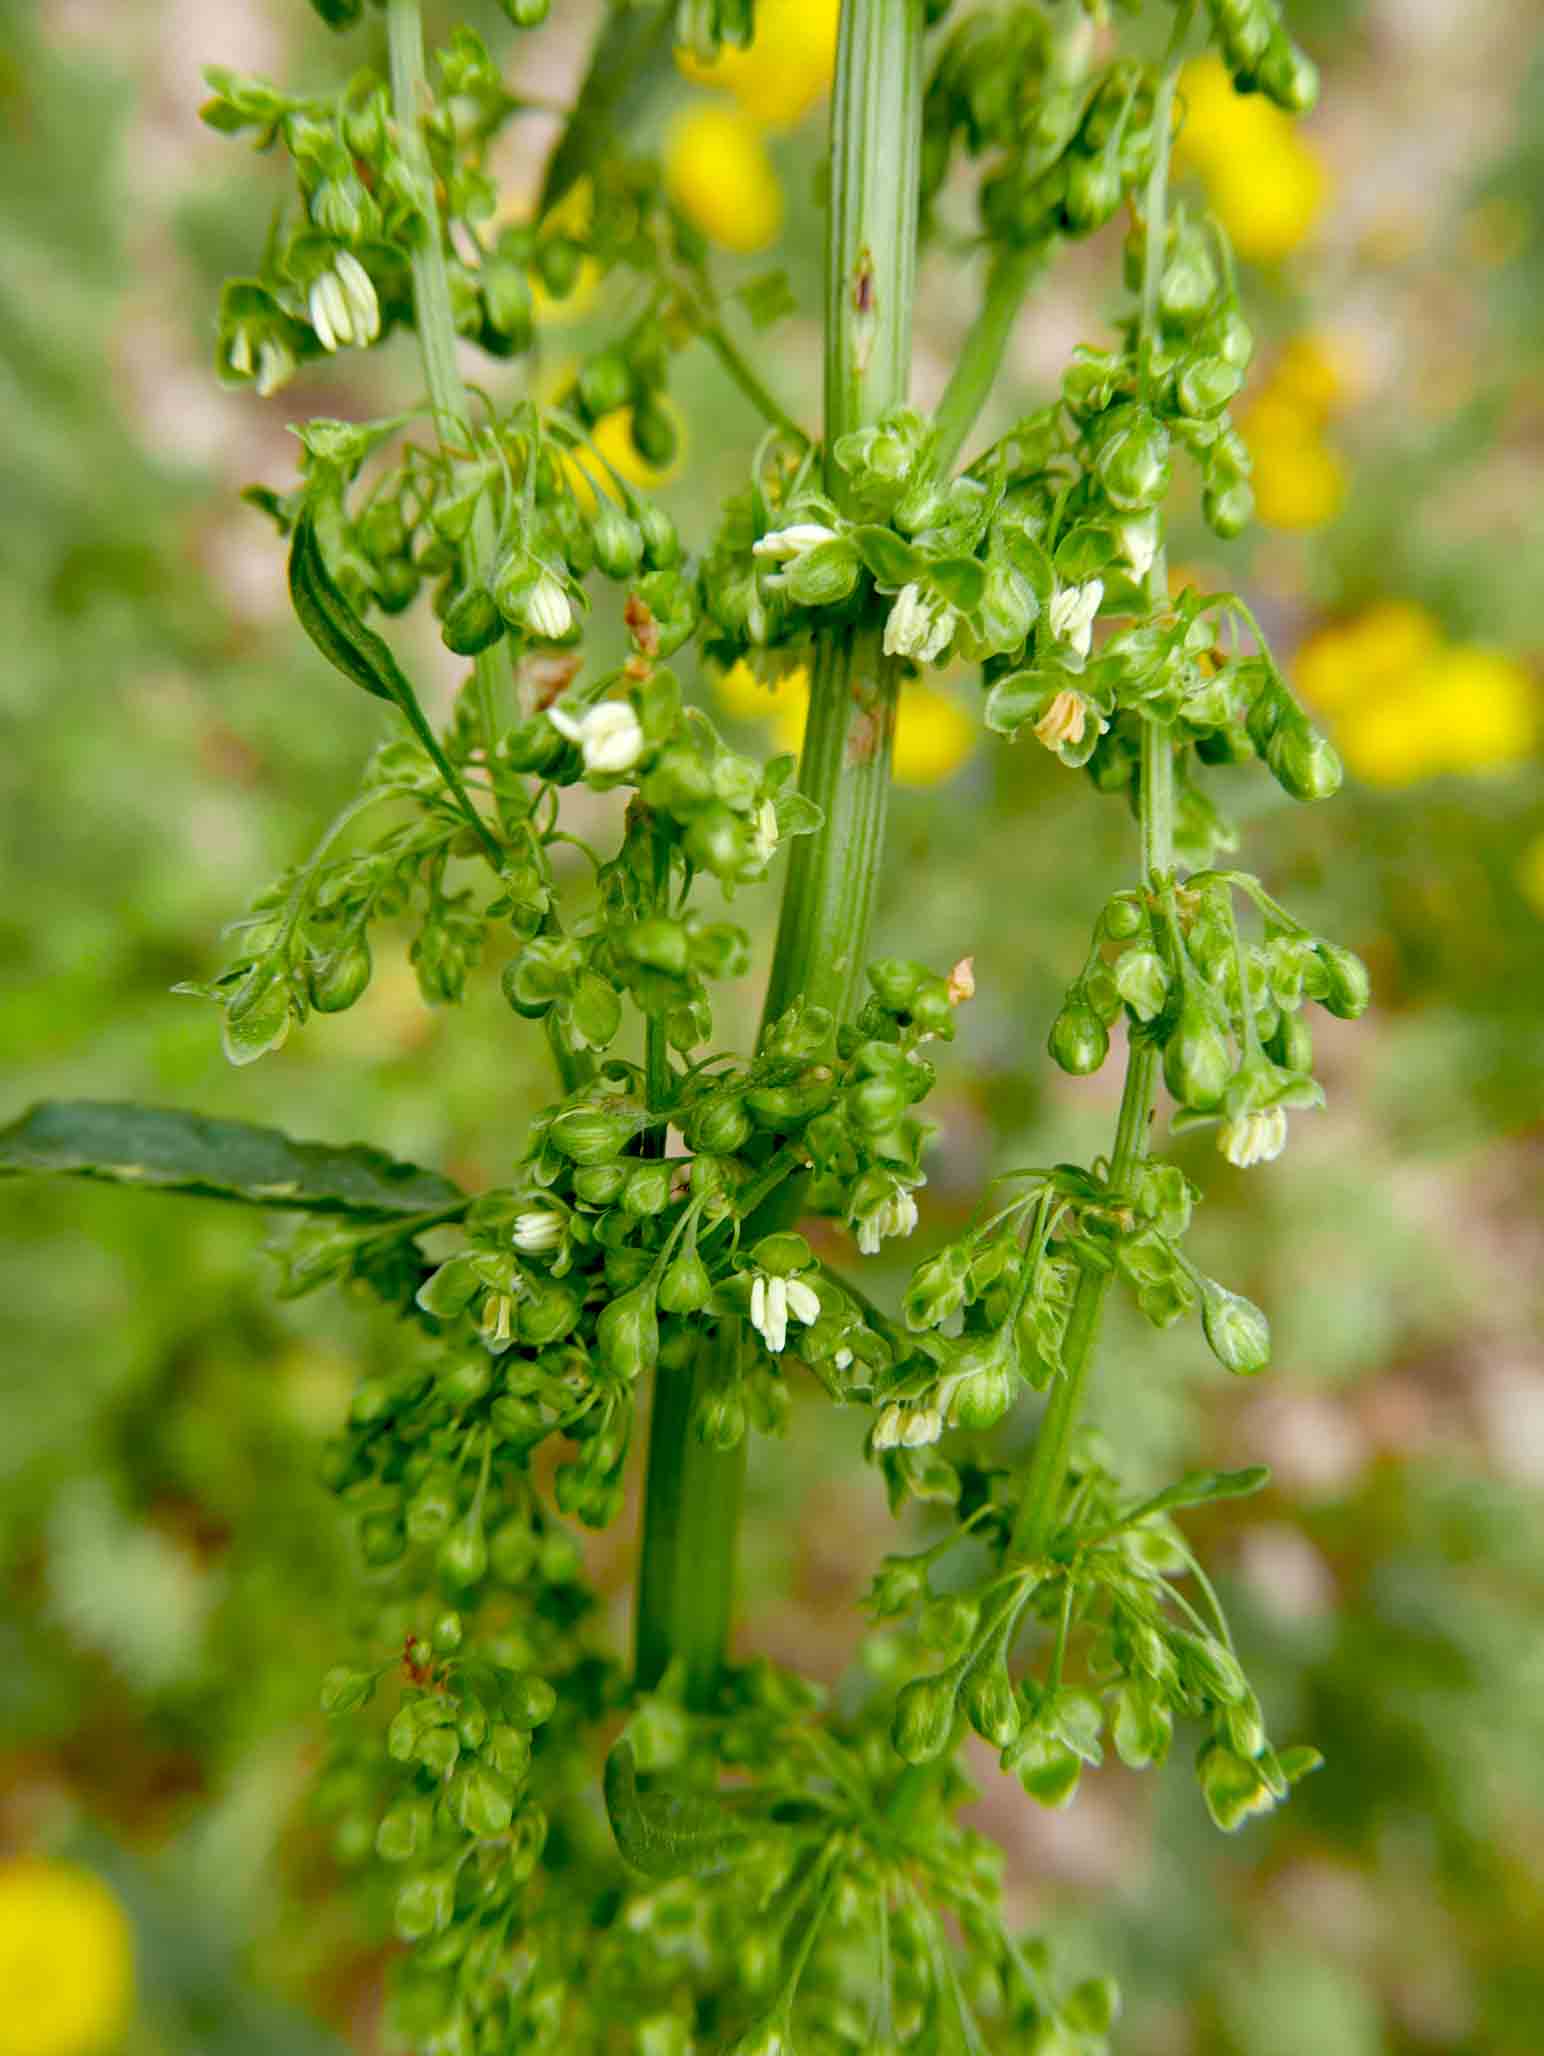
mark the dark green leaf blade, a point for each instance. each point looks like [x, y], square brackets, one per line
[168, 1150]
[667, 1834]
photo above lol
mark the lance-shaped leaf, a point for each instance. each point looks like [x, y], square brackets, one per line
[360, 654]
[1197, 1487]
[168, 1150]
[668, 1834]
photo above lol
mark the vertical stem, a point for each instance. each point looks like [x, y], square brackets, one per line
[1014, 269]
[1041, 1504]
[431, 304]
[692, 1502]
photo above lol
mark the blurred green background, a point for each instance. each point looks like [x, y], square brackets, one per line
[172, 1579]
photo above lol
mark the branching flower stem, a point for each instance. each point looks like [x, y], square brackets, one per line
[447, 389]
[1040, 1506]
[686, 1569]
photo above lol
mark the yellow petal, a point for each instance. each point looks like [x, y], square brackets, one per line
[719, 174]
[788, 67]
[66, 1961]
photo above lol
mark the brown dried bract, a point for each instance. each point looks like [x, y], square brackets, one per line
[641, 625]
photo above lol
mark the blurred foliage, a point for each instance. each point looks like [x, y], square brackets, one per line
[173, 1579]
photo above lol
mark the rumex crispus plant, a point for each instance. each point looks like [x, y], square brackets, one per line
[769, 1869]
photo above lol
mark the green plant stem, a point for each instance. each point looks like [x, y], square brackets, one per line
[447, 390]
[751, 383]
[435, 321]
[1040, 1507]
[1014, 271]
[687, 1562]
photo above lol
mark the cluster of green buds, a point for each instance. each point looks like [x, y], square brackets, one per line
[1128, 1652]
[1226, 1014]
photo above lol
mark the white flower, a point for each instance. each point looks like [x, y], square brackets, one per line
[896, 1215]
[1251, 1139]
[921, 1425]
[887, 1429]
[342, 304]
[920, 625]
[547, 609]
[773, 1300]
[608, 735]
[843, 1359]
[764, 834]
[275, 367]
[1139, 543]
[1072, 612]
[538, 1230]
[784, 544]
[239, 355]
[1064, 720]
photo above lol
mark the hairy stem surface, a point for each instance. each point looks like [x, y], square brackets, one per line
[687, 1565]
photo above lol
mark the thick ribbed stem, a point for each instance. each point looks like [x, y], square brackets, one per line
[686, 1569]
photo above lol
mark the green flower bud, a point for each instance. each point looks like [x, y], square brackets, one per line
[937, 1287]
[463, 1556]
[600, 1184]
[1203, 385]
[1303, 762]
[1133, 463]
[618, 543]
[508, 304]
[1189, 282]
[482, 1802]
[1093, 2007]
[508, 1750]
[647, 1190]
[589, 1135]
[1124, 918]
[1079, 1040]
[720, 1417]
[900, 1586]
[1045, 1767]
[661, 540]
[1143, 1725]
[512, 1552]
[1197, 1061]
[824, 575]
[686, 1287]
[344, 1690]
[1228, 509]
[527, 14]
[1289, 77]
[529, 1701]
[605, 383]
[1142, 981]
[948, 1624]
[1232, 1787]
[654, 434]
[924, 1717]
[660, 943]
[1093, 191]
[336, 980]
[984, 1392]
[472, 622]
[1292, 1044]
[381, 1540]
[717, 840]
[1236, 1331]
[545, 1314]
[437, 1750]
[627, 1335]
[1209, 1667]
[463, 1384]
[991, 1706]
[448, 1633]
[405, 1829]
[425, 1903]
[1348, 988]
[718, 1126]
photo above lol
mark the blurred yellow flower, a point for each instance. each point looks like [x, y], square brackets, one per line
[1367, 656]
[1317, 372]
[1266, 183]
[787, 68]
[613, 438]
[575, 303]
[66, 1961]
[720, 175]
[934, 735]
[1299, 478]
[1410, 706]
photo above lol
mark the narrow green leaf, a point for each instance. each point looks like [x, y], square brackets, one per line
[331, 623]
[168, 1150]
[1196, 1488]
[667, 1834]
